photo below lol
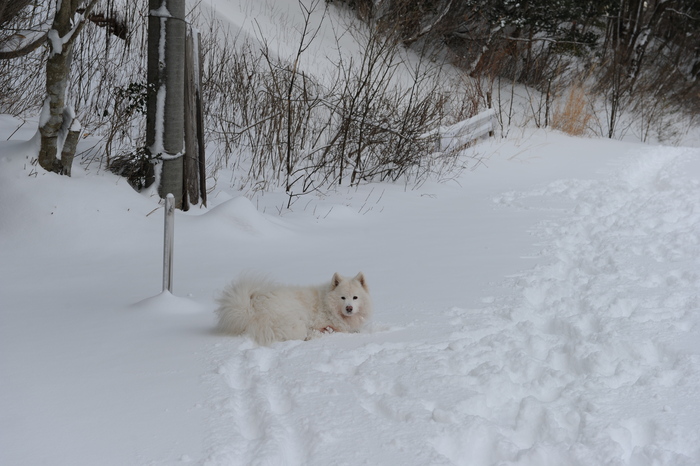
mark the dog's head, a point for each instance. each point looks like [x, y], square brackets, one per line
[349, 300]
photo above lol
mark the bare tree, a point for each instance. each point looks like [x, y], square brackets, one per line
[58, 126]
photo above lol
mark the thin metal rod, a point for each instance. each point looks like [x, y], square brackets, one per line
[168, 243]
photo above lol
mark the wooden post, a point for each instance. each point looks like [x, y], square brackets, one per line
[199, 74]
[195, 163]
[191, 167]
[168, 243]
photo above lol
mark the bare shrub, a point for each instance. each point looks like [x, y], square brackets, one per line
[22, 79]
[269, 120]
[279, 127]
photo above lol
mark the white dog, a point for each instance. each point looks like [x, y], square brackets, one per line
[270, 312]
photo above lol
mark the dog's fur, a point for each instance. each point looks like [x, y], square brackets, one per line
[270, 312]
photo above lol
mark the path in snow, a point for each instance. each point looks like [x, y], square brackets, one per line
[590, 358]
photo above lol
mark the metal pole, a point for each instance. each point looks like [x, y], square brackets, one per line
[168, 243]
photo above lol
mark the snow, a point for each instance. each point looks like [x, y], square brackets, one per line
[75, 125]
[543, 312]
[162, 11]
[45, 115]
[56, 41]
[542, 309]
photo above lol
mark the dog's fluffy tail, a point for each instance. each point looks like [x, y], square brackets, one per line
[236, 312]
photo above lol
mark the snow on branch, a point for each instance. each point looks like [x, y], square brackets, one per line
[57, 41]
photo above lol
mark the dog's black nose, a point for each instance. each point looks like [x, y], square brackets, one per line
[348, 308]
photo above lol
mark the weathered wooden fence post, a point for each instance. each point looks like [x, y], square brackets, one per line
[194, 167]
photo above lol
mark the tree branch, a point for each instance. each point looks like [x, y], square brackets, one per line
[36, 43]
[25, 50]
[79, 26]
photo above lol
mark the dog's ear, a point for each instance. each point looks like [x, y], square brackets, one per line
[360, 277]
[335, 281]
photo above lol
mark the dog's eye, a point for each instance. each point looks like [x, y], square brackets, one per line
[343, 298]
[354, 297]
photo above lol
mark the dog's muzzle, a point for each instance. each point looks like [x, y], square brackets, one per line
[348, 310]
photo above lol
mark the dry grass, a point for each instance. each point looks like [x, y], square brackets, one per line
[574, 116]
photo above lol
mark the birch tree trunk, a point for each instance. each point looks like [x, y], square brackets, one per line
[57, 124]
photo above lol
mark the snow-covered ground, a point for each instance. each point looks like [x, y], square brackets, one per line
[542, 309]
